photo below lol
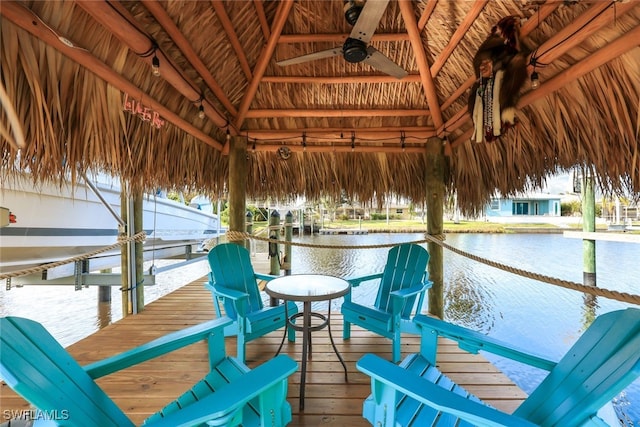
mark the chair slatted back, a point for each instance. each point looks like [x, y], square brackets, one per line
[38, 368]
[604, 360]
[240, 277]
[406, 267]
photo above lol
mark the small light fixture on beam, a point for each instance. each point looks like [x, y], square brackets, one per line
[535, 81]
[228, 133]
[155, 62]
[201, 114]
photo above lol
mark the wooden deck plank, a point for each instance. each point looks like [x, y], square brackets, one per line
[143, 389]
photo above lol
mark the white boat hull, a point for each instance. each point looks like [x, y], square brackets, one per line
[54, 223]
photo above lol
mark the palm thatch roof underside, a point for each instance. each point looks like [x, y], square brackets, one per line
[68, 68]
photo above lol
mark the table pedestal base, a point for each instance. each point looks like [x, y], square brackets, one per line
[306, 329]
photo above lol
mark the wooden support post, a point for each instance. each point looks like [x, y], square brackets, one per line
[434, 179]
[237, 184]
[588, 225]
[274, 248]
[288, 237]
[139, 254]
[124, 253]
[104, 292]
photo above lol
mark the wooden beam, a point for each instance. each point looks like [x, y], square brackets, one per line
[122, 28]
[411, 78]
[462, 29]
[262, 18]
[167, 24]
[611, 51]
[338, 38]
[266, 113]
[339, 148]
[406, 8]
[342, 133]
[426, 14]
[593, 19]
[29, 21]
[265, 56]
[221, 13]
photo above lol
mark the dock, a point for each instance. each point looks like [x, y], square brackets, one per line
[143, 389]
[329, 231]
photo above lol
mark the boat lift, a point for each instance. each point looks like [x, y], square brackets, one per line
[79, 273]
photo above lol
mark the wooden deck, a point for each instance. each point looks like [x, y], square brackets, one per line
[143, 389]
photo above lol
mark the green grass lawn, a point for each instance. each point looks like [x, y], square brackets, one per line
[418, 226]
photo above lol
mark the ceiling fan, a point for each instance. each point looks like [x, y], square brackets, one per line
[364, 16]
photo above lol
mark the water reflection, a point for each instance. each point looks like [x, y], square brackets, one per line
[467, 304]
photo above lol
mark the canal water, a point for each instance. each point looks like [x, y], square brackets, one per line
[531, 314]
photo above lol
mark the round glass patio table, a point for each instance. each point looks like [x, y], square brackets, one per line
[308, 288]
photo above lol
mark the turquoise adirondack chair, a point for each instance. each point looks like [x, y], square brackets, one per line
[233, 283]
[404, 279]
[602, 363]
[38, 368]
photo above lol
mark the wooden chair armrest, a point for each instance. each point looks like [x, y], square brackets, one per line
[233, 395]
[158, 347]
[387, 374]
[232, 294]
[473, 341]
[356, 281]
[408, 292]
[262, 276]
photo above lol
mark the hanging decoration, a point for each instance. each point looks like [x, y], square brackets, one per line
[500, 67]
[284, 153]
[145, 113]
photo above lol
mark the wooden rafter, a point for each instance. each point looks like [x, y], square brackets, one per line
[29, 21]
[265, 56]
[339, 133]
[339, 38]
[167, 24]
[411, 78]
[121, 27]
[262, 18]
[426, 14]
[296, 112]
[222, 16]
[462, 29]
[421, 58]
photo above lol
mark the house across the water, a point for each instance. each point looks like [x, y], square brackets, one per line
[525, 205]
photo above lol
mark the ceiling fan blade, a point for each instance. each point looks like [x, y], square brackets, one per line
[368, 20]
[311, 56]
[380, 62]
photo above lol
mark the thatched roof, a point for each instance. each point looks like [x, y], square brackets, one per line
[67, 65]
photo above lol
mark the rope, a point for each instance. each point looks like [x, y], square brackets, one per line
[139, 237]
[615, 295]
[438, 239]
